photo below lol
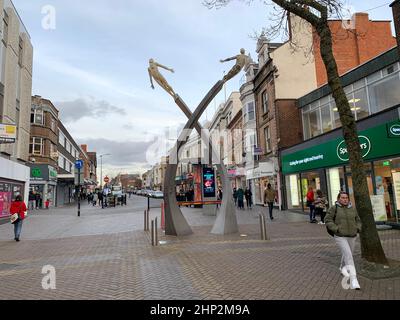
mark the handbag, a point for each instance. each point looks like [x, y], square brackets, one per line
[14, 218]
[331, 233]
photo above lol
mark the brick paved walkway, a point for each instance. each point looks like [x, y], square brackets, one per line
[106, 255]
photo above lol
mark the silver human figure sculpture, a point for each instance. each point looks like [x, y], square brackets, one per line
[155, 73]
[241, 60]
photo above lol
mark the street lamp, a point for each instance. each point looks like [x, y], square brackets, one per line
[101, 168]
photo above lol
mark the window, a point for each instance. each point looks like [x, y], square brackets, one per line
[5, 27]
[267, 139]
[67, 146]
[52, 124]
[326, 118]
[37, 116]
[249, 112]
[61, 138]
[315, 123]
[264, 99]
[20, 52]
[384, 93]
[359, 104]
[36, 146]
[61, 161]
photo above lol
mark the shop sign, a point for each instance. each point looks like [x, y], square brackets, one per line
[378, 207]
[394, 130]
[396, 188]
[374, 143]
[208, 182]
[52, 173]
[8, 133]
[365, 146]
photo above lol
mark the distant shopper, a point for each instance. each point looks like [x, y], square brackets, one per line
[310, 204]
[100, 196]
[31, 200]
[248, 195]
[47, 203]
[235, 196]
[240, 197]
[320, 206]
[219, 195]
[344, 223]
[38, 197]
[269, 198]
[18, 207]
[95, 198]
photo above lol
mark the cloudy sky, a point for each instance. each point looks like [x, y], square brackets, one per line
[93, 65]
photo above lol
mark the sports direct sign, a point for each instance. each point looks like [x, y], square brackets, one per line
[377, 142]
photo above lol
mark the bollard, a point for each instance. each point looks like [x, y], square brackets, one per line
[263, 227]
[162, 216]
[148, 219]
[152, 232]
[145, 224]
[155, 232]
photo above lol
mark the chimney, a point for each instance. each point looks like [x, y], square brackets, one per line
[396, 18]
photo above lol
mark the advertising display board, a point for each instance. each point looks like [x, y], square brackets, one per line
[208, 182]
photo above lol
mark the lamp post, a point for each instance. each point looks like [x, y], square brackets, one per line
[101, 168]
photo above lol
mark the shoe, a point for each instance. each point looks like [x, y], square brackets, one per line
[17, 239]
[272, 218]
[354, 285]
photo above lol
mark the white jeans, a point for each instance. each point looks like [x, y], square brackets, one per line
[346, 246]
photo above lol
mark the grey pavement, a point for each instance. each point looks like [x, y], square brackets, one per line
[105, 254]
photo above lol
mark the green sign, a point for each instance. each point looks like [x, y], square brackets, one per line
[393, 130]
[374, 143]
[386, 163]
[36, 173]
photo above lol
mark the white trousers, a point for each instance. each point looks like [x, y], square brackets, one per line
[346, 246]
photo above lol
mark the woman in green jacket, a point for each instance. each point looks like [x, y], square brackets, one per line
[342, 220]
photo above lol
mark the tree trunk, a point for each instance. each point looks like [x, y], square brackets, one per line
[371, 247]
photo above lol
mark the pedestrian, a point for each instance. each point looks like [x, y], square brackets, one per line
[343, 222]
[38, 199]
[219, 195]
[95, 198]
[248, 195]
[31, 200]
[320, 206]
[240, 196]
[47, 203]
[18, 207]
[235, 196]
[310, 204]
[269, 198]
[100, 196]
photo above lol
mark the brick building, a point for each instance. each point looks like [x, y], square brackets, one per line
[396, 18]
[43, 154]
[89, 169]
[285, 74]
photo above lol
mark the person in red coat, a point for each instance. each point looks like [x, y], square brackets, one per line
[18, 206]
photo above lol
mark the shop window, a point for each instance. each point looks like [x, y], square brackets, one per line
[315, 123]
[387, 178]
[359, 104]
[384, 93]
[293, 192]
[336, 183]
[326, 118]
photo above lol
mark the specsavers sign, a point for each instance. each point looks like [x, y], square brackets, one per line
[375, 143]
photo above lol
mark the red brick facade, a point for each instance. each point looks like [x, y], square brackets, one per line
[396, 18]
[353, 47]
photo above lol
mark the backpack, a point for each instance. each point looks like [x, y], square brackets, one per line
[331, 233]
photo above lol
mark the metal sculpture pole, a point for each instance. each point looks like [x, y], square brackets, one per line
[175, 222]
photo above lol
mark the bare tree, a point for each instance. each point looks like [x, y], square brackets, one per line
[317, 13]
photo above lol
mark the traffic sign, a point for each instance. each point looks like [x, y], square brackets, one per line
[106, 179]
[78, 164]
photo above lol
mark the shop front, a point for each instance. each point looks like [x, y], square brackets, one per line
[43, 182]
[14, 180]
[258, 179]
[324, 166]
